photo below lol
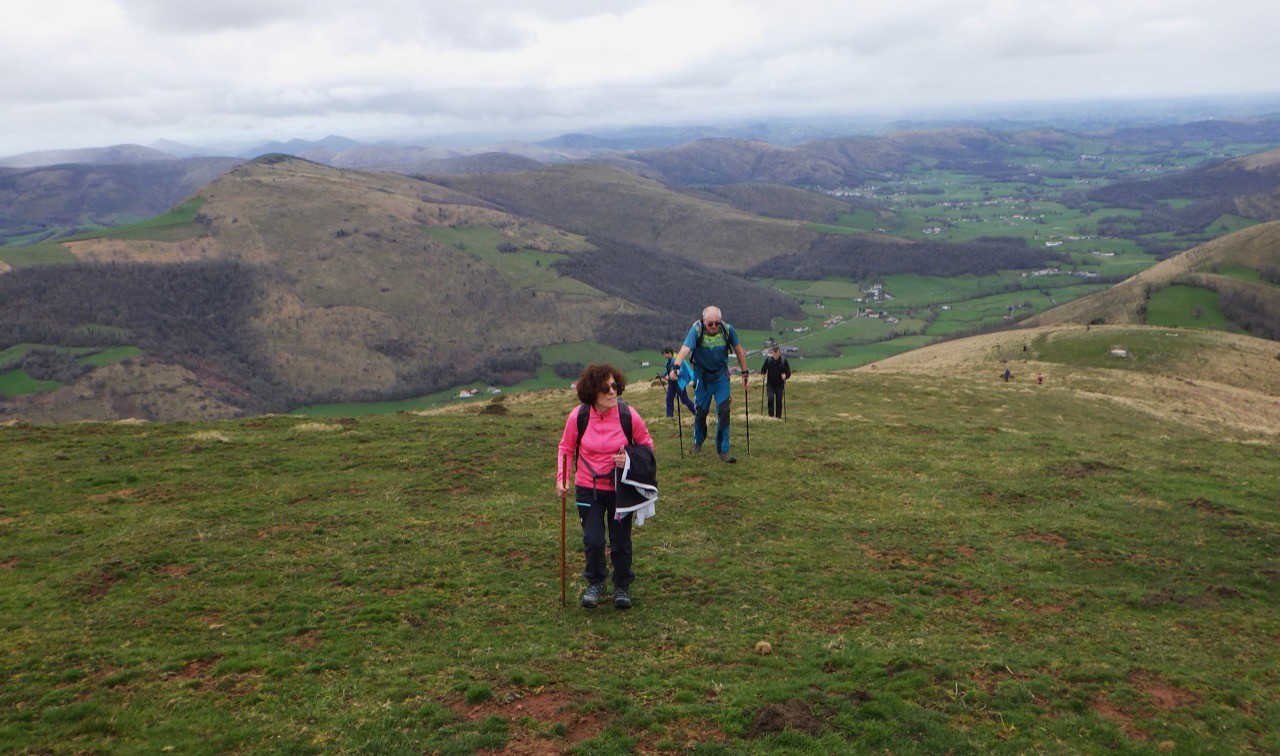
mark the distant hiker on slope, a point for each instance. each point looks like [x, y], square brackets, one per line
[674, 389]
[776, 372]
[707, 347]
[613, 448]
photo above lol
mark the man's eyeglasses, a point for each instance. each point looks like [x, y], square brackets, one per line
[713, 324]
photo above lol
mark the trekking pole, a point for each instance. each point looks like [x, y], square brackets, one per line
[746, 403]
[564, 570]
[680, 425]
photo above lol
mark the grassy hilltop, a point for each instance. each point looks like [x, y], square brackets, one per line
[941, 562]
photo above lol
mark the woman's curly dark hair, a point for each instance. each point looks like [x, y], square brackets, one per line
[595, 378]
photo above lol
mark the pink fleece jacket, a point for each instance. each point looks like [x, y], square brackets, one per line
[602, 439]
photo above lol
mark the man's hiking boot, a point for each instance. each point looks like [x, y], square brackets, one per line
[591, 598]
[727, 457]
[697, 449]
[621, 598]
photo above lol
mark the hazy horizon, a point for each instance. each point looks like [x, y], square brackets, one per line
[104, 72]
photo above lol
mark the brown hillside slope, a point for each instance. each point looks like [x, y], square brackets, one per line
[610, 203]
[777, 201]
[1222, 381]
[1255, 247]
[355, 294]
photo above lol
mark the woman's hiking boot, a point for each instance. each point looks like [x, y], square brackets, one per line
[591, 598]
[621, 598]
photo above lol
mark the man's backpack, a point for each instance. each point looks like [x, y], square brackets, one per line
[725, 329]
[584, 417]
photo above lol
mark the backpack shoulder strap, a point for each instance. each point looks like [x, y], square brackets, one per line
[584, 417]
[624, 416]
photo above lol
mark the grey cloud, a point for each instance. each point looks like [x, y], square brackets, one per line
[213, 15]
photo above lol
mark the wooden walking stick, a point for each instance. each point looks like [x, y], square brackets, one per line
[564, 570]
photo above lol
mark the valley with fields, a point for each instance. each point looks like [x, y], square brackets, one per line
[345, 291]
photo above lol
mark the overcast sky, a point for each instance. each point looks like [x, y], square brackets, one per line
[82, 73]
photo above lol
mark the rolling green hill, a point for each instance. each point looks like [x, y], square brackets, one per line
[939, 561]
[1248, 303]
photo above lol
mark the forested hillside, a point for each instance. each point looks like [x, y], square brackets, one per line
[74, 196]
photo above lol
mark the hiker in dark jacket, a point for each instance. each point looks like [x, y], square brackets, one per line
[776, 371]
[599, 449]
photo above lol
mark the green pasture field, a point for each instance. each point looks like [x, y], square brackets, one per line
[177, 224]
[1229, 224]
[95, 356]
[838, 230]
[1243, 274]
[860, 220]
[18, 383]
[111, 356]
[1148, 351]
[18, 240]
[49, 253]
[857, 356]
[526, 268]
[938, 566]
[1183, 306]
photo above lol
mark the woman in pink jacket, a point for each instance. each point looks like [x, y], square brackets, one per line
[598, 449]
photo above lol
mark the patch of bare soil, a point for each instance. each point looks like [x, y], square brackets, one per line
[175, 570]
[1164, 695]
[1204, 505]
[1212, 597]
[1053, 539]
[532, 716]
[1103, 707]
[793, 715]
[309, 639]
[1161, 696]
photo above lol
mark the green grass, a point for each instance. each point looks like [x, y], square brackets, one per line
[1242, 274]
[1184, 306]
[939, 567]
[1150, 351]
[177, 224]
[50, 253]
[111, 356]
[523, 267]
[829, 228]
[18, 383]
